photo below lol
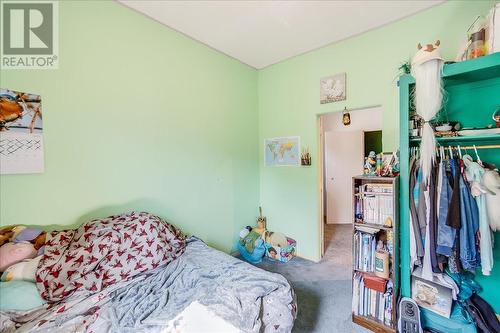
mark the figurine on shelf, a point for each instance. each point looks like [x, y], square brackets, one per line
[370, 167]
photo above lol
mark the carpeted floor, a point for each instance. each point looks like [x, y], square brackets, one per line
[323, 289]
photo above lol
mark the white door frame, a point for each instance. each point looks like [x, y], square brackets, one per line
[321, 173]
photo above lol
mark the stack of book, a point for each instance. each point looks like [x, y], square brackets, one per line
[372, 297]
[365, 244]
[374, 203]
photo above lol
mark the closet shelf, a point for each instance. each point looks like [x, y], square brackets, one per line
[471, 139]
[483, 68]
[479, 69]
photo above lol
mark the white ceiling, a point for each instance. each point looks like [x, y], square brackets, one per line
[261, 33]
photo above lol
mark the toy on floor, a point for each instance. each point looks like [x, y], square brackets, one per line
[275, 239]
[251, 242]
[261, 223]
[279, 249]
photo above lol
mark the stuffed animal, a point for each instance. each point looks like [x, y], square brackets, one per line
[7, 234]
[276, 239]
[12, 253]
[370, 164]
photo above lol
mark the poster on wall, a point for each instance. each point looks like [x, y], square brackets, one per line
[21, 141]
[332, 88]
[284, 151]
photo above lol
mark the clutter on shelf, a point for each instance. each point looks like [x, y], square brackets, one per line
[384, 164]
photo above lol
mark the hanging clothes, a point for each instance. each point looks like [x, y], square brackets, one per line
[445, 234]
[475, 174]
[491, 181]
[413, 211]
[469, 217]
[432, 220]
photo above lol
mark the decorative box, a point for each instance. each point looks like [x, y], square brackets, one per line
[283, 254]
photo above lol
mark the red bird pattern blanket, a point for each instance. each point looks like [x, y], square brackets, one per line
[103, 252]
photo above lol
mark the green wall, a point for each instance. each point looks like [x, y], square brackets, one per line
[140, 117]
[289, 104]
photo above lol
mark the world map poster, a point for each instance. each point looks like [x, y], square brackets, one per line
[284, 151]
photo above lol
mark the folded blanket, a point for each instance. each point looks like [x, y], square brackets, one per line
[103, 252]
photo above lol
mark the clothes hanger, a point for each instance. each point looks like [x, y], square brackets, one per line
[459, 152]
[478, 159]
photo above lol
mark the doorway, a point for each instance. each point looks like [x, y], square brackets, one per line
[343, 150]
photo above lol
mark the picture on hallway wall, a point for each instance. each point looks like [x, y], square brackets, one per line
[21, 141]
[284, 151]
[332, 88]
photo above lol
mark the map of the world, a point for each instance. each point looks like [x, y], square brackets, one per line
[282, 151]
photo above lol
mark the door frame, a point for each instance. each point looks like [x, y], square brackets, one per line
[321, 171]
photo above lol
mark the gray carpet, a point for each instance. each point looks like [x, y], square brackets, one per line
[323, 289]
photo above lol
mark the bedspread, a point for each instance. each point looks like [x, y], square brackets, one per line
[105, 251]
[249, 298]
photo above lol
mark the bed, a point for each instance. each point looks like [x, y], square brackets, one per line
[197, 281]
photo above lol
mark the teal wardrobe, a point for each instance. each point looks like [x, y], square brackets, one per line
[472, 95]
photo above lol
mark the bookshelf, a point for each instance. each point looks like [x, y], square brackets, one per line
[375, 203]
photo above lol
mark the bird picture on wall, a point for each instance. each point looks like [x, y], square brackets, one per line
[332, 88]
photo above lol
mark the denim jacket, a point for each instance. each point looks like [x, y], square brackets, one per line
[469, 214]
[445, 234]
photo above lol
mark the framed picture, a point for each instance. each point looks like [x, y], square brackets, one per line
[388, 161]
[332, 88]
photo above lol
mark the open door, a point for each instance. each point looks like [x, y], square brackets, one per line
[344, 156]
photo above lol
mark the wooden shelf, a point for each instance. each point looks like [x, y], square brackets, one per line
[371, 274]
[372, 324]
[373, 226]
[369, 322]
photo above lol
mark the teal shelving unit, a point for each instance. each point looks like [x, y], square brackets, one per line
[472, 93]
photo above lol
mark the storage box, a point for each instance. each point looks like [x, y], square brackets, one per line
[283, 254]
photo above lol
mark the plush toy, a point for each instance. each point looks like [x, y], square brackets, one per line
[6, 234]
[276, 239]
[11, 253]
[370, 164]
[24, 270]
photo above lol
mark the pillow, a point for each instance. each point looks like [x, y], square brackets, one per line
[24, 270]
[11, 254]
[19, 295]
